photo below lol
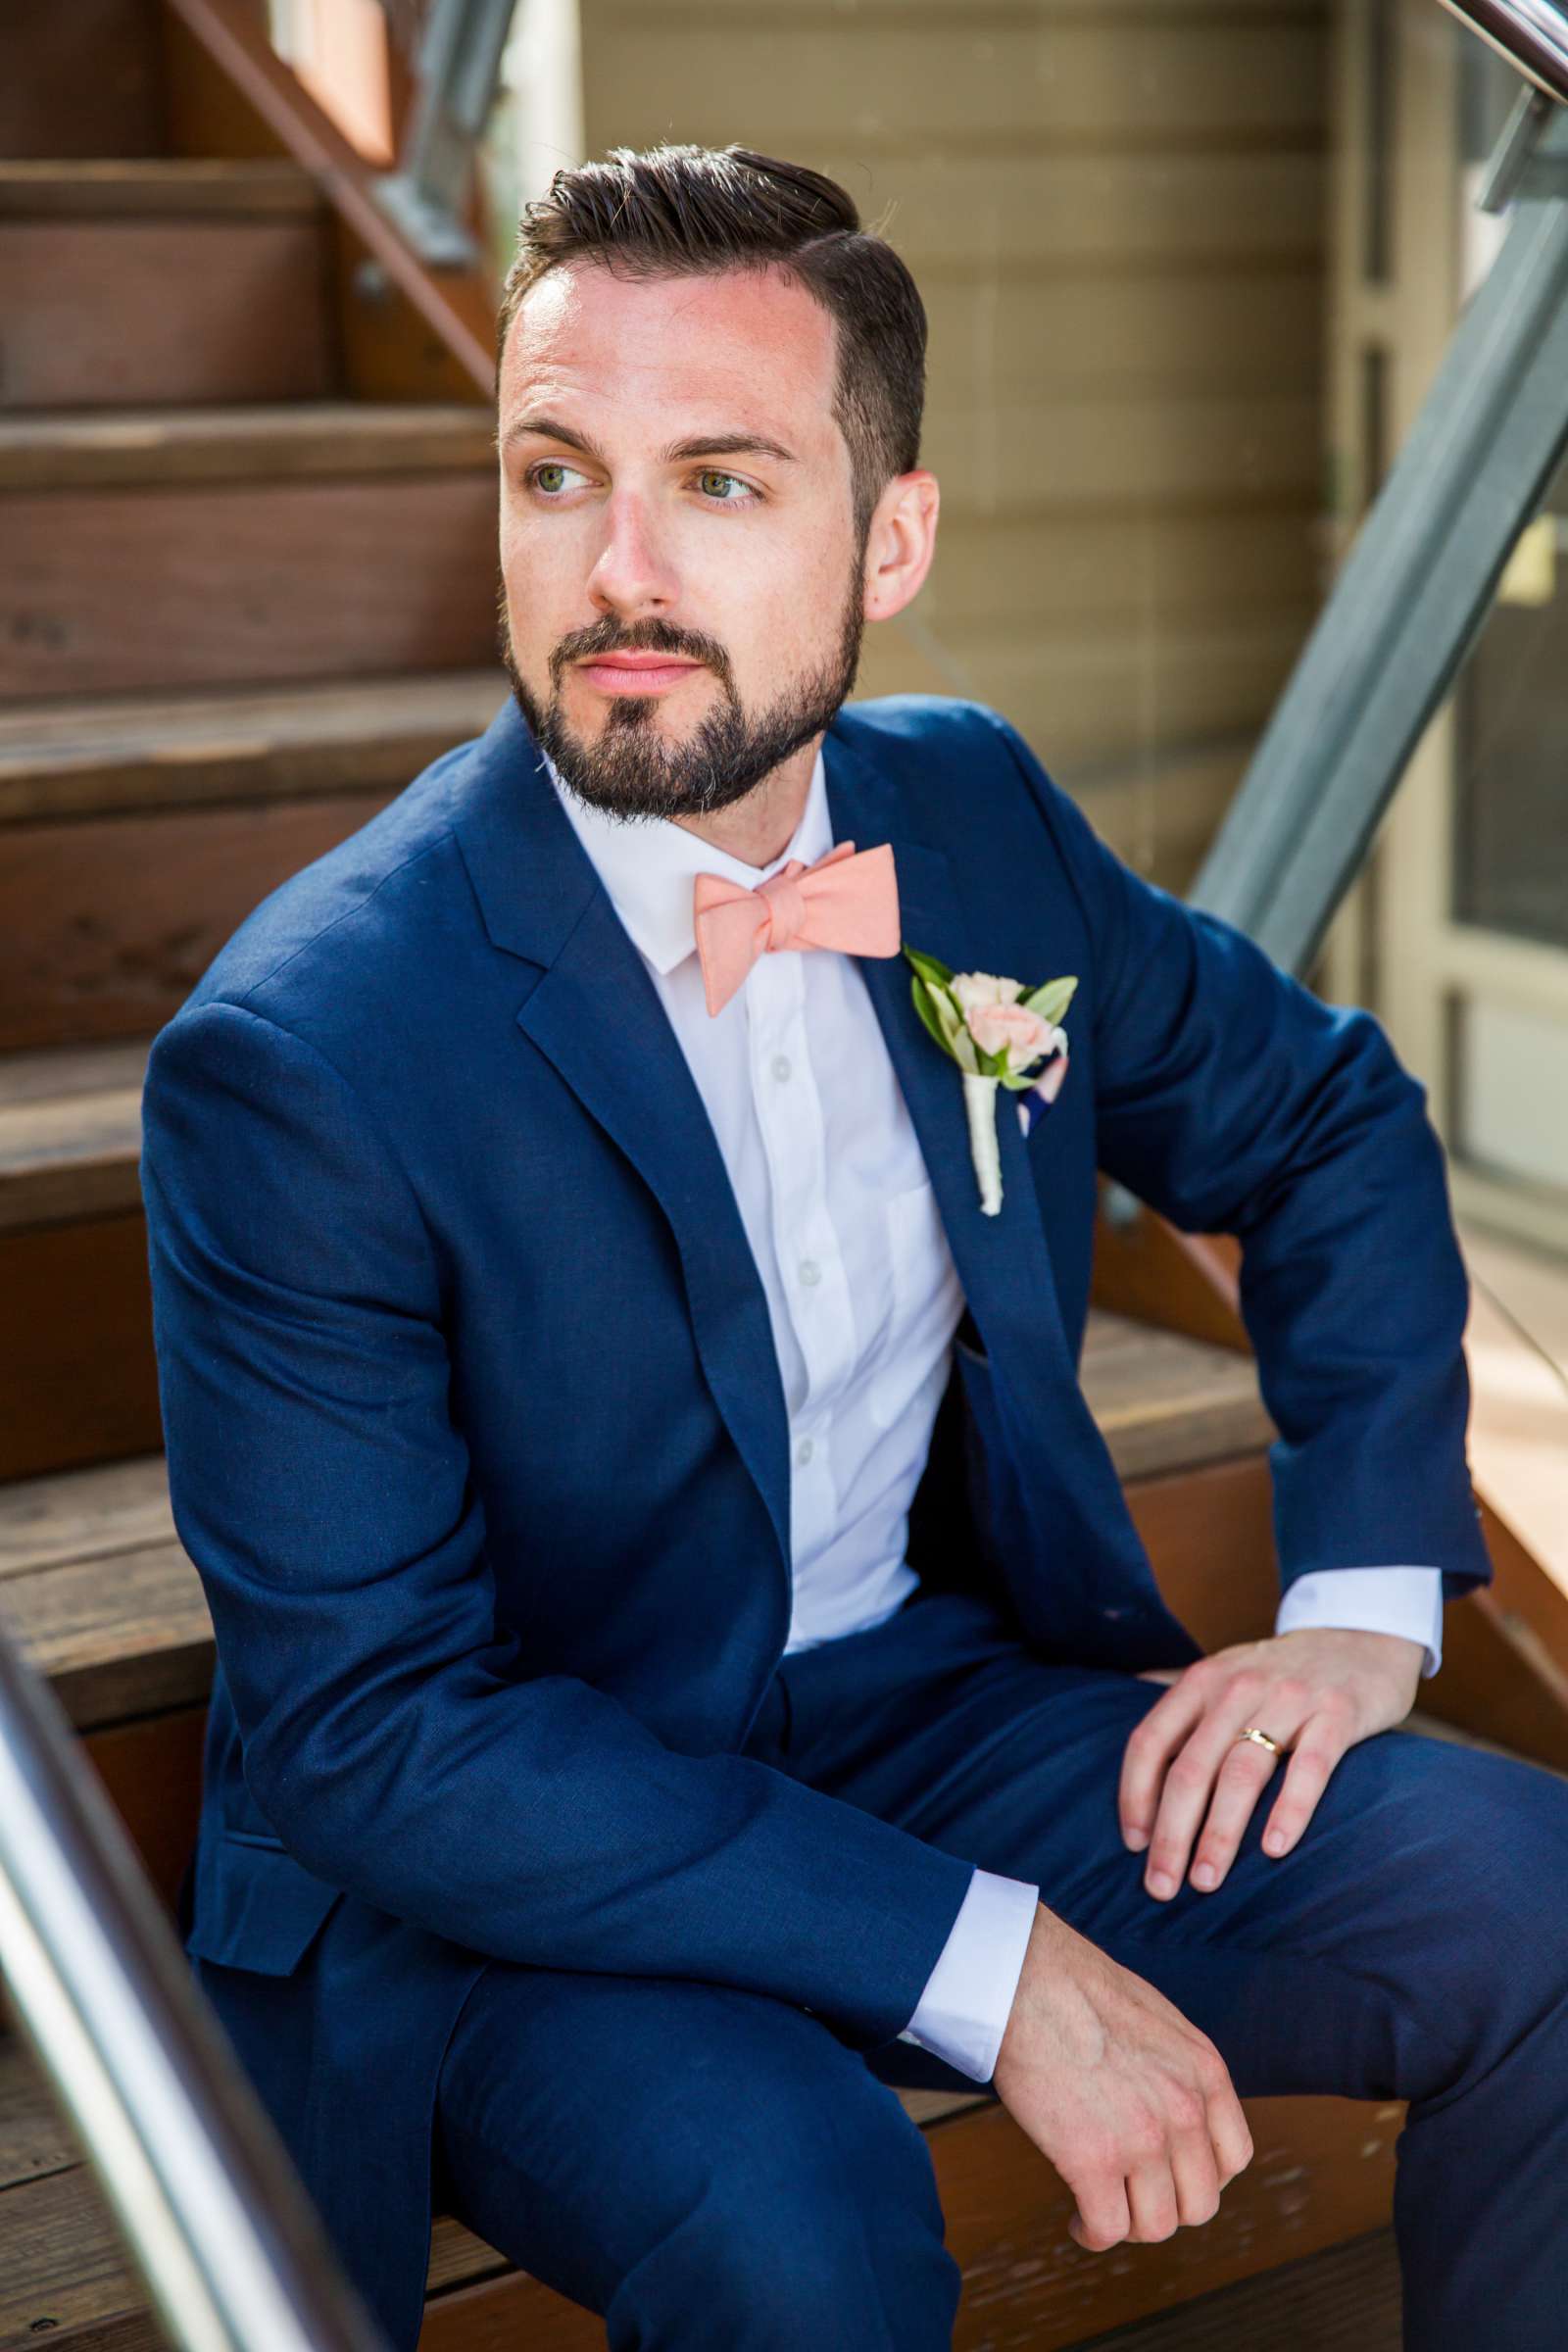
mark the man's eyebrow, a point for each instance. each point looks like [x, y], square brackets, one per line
[699, 445]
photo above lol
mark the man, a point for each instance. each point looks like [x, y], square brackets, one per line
[681, 1641]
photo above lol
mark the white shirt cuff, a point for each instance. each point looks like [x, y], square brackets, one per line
[1371, 1600]
[962, 2013]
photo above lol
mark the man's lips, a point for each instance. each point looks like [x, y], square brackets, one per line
[637, 673]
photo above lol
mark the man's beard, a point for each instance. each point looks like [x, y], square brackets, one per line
[631, 771]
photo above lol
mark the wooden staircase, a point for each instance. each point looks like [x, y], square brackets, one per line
[247, 499]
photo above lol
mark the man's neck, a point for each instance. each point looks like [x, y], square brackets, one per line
[760, 825]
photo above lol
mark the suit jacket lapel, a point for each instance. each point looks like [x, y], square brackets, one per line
[594, 1012]
[1004, 1262]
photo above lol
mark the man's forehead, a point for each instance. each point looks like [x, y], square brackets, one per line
[706, 346]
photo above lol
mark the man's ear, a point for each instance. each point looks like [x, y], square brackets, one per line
[901, 543]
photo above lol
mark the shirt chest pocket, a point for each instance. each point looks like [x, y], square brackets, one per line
[927, 1301]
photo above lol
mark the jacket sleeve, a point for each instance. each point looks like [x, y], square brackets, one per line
[1232, 1100]
[392, 1731]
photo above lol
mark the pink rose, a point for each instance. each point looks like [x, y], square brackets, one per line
[1012, 1029]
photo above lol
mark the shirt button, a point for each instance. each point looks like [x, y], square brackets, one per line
[810, 1271]
[781, 1065]
[802, 1452]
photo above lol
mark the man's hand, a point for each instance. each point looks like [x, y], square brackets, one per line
[1316, 1691]
[1133, 2105]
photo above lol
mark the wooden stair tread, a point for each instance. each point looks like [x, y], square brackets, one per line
[130, 753]
[70, 1133]
[131, 187]
[1167, 1402]
[1347, 2298]
[60, 450]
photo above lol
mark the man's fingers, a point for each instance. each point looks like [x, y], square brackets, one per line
[1214, 1749]
[1195, 2169]
[1323, 1742]
[1150, 1745]
[1244, 1775]
[1229, 2137]
[1102, 2219]
[1151, 2201]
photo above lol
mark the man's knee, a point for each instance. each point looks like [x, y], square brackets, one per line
[1482, 1843]
[696, 2162]
[801, 2216]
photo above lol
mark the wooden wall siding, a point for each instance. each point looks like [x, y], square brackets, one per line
[1115, 215]
[104, 590]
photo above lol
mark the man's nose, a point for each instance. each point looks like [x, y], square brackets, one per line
[632, 572]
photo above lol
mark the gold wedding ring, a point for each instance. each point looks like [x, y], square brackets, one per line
[1260, 1738]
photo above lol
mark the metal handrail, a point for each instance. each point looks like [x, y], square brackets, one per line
[233, 2252]
[459, 69]
[1416, 586]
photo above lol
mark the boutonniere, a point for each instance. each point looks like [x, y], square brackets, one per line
[995, 1031]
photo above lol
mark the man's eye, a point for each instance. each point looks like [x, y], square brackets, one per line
[712, 475]
[547, 466]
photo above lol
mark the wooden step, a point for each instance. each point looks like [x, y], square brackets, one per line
[81, 80]
[136, 837]
[107, 925]
[167, 282]
[118, 189]
[64, 2271]
[122, 755]
[172, 582]
[161, 447]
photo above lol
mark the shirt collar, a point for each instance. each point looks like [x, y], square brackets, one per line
[649, 864]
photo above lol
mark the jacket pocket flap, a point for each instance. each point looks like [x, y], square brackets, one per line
[255, 1907]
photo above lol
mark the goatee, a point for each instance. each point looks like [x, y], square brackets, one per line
[632, 771]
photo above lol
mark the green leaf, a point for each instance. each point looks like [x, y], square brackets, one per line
[1051, 999]
[929, 967]
[924, 1006]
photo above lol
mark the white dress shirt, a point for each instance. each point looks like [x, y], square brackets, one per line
[863, 1300]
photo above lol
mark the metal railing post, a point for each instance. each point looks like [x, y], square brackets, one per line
[214, 2214]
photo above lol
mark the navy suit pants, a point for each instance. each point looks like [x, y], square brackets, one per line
[714, 2169]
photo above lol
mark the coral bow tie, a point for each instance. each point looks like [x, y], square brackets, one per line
[847, 900]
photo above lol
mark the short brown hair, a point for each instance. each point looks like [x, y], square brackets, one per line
[685, 210]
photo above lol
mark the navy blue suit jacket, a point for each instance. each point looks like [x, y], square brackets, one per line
[476, 1437]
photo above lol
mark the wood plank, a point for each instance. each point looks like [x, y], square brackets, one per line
[101, 314]
[106, 926]
[80, 1515]
[115, 1646]
[286, 442]
[118, 189]
[1163, 1400]
[78, 1381]
[72, 1155]
[77, 758]
[207, 585]
[1346, 2299]
[152, 1772]
[51, 107]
